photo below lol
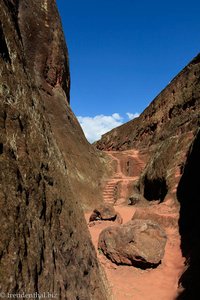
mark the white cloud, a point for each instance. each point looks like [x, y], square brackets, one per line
[132, 116]
[94, 127]
[116, 116]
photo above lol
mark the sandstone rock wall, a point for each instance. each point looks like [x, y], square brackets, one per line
[46, 55]
[44, 241]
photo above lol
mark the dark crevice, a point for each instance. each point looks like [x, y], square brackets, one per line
[14, 8]
[54, 258]
[155, 189]
[189, 104]
[66, 80]
[179, 108]
[1, 148]
[85, 273]
[4, 53]
[12, 154]
[144, 265]
[21, 125]
[49, 180]
[35, 275]
[189, 225]
[27, 197]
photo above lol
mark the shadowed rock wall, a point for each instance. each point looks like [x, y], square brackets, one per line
[44, 241]
[188, 196]
[46, 55]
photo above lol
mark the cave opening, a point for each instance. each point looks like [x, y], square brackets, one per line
[155, 189]
[189, 224]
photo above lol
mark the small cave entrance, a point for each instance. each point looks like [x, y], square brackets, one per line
[155, 189]
[188, 194]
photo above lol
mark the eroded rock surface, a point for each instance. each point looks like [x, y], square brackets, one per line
[138, 242]
[44, 241]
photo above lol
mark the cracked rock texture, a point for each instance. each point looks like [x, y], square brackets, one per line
[44, 241]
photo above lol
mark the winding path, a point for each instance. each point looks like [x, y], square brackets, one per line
[130, 283]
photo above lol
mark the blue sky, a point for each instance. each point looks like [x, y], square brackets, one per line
[123, 53]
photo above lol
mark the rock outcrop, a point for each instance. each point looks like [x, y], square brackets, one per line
[139, 243]
[44, 242]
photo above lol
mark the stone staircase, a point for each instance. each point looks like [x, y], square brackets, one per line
[109, 191]
[123, 175]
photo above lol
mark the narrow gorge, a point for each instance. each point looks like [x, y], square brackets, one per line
[114, 220]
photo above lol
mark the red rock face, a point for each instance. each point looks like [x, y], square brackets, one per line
[44, 242]
[44, 45]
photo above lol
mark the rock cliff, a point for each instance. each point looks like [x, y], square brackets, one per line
[44, 242]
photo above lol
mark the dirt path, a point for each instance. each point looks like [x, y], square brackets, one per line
[128, 282]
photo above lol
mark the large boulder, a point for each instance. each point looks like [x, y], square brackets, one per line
[139, 243]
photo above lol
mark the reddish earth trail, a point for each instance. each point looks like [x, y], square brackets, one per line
[127, 282]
